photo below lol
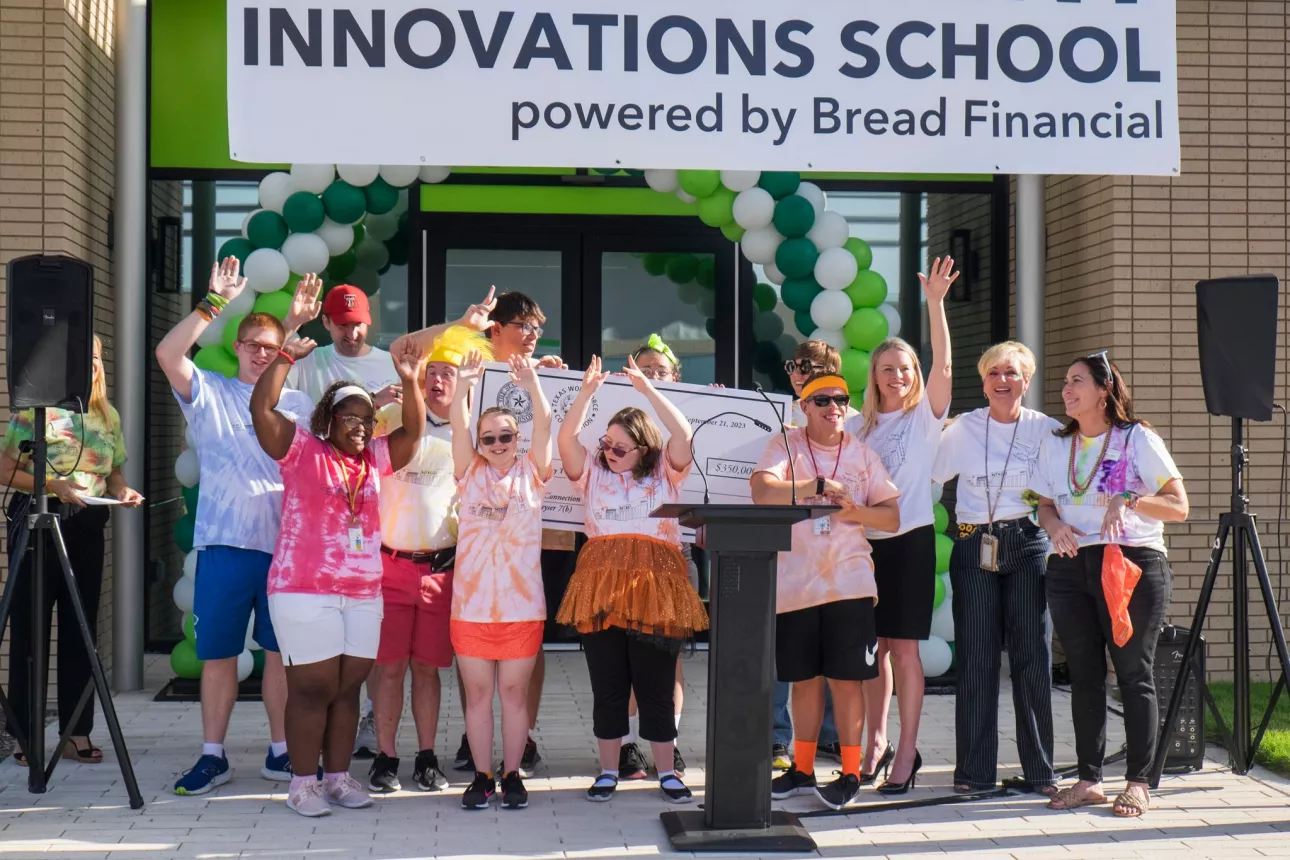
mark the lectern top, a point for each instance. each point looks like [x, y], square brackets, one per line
[694, 515]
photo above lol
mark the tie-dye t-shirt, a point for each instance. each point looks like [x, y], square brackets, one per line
[314, 555]
[619, 504]
[90, 463]
[499, 545]
[1136, 462]
[239, 500]
[419, 502]
[837, 565]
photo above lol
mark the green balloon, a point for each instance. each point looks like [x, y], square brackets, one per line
[398, 248]
[764, 297]
[344, 203]
[766, 357]
[855, 368]
[733, 232]
[942, 518]
[699, 183]
[710, 326]
[944, 546]
[381, 196]
[216, 359]
[183, 533]
[303, 212]
[316, 331]
[655, 264]
[230, 335]
[276, 304]
[187, 624]
[798, 293]
[257, 658]
[266, 229]
[190, 495]
[866, 328]
[237, 247]
[779, 184]
[718, 208]
[954, 656]
[794, 216]
[342, 266]
[682, 268]
[184, 662]
[804, 323]
[868, 290]
[707, 273]
[860, 249]
[796, 257]
[359, 232]
[940, 592]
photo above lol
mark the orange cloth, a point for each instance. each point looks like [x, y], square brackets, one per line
[804, 756]
[1119, 577]
[506, 640]
[851, 760]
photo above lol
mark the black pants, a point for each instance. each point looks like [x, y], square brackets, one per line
[619, 662]
[1083, 624]
[994, 609]
[83, 534]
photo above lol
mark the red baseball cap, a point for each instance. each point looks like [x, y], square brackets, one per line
[345, 305]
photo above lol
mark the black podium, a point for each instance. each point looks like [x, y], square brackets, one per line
[741, 541]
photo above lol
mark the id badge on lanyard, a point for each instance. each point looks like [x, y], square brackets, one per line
[989, 551]
[355, 542]
[823, 525]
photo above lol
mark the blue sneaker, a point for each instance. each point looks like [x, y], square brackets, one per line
[277, 767]
[209, 773]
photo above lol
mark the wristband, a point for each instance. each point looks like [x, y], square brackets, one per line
[217, 301]
[1130, 499]
[283, 354]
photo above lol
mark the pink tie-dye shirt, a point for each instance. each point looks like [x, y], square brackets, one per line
[498, 578]
[619, 504]
[313, 555]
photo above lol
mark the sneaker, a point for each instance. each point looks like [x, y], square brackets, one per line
[365, 743]
[792, 783]
[514, 794]
[463, 760]
[480, 792]
[779, 757]
[631, 762]
[310, 799]
[674, 791]
[841, 792]
[603, 788]
[531, 759]
[426, 772]
[346, 792]
[832, 751]
[209, 773]
[277, 767]
[678, 763]
[383, 778]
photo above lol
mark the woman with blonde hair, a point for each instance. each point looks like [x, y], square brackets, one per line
[997, 575]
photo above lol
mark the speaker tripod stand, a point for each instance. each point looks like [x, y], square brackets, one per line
[42, 528]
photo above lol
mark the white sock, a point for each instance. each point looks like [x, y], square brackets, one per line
[664, 774]
[604, 771]
[367, 706]
[635, 731]
[278, 747]
[676, 718]
[213, 749]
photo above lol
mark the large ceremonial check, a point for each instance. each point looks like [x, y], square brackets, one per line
[733, 428]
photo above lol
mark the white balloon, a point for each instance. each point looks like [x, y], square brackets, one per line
[358, 175]
[402, 205]
[382, 227]
[831, 309]
[275, 189]
[190, 565]
[936, 656]
[372, 253]
[247, 220]
[893, 322]
[214, 333]
[187, 469]
[832, 336]
[400, 175]
[245, 663]
[266, 270]
[773, 274]
[768, 326]
[305, 252]
[740, 180]
[239, 305]
[190, 439]
[759, 246]
[434, 175]
[938, 490]
[943, 622]
[831, 230]
[337, 236]
[754, 209]
[812, 192]
[183, 594]
[686, 196]
[834, 270]
[708, 303]
[663, 181]
[313, 178]
[949, 589]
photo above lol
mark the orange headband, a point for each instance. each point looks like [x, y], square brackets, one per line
[824, 382]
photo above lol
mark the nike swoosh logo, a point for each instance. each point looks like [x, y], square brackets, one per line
[871, 654]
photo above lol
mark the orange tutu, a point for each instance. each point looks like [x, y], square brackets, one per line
[637, 583]
[505, 640]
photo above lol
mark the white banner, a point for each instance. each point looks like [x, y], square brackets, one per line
[921, 86]
[726, 448]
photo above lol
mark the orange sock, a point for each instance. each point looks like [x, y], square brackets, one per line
[851, 760]
[804, 756]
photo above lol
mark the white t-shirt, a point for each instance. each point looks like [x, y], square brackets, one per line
[320, 368]
[239, 502]
[907, 443]
[1144, 471]
[962, 452]
[419, 502]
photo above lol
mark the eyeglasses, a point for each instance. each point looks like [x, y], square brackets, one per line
[257, 348]
[528, 329]
[660, 373]
[499, 439]
[803, 366]
[823, 400]
[1104, 357]
[607, 445]
[353, 422]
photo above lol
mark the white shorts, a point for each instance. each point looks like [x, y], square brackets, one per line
[316, 627]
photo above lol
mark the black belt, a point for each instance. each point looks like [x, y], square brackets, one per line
[438, 559]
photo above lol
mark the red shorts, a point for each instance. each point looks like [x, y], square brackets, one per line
[507, 640]
[418, 606]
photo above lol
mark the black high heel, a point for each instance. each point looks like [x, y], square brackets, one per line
[883, 764]
[903, 787]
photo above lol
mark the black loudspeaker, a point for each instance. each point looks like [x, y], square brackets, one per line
[50, 332]
[1186, 749]
[1236, 323]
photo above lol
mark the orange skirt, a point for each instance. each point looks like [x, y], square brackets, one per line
[506, 640]
[637, 583]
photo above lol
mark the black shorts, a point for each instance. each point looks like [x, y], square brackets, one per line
[905, 569]
[836, 640]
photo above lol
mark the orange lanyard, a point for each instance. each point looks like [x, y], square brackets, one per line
[352, 492]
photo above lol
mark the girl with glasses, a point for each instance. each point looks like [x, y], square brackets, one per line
[630, 597]
[498, 605]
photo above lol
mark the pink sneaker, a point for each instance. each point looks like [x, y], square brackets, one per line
[346, 792]
[310, 799]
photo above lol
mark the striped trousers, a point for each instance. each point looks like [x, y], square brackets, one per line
[993, 610]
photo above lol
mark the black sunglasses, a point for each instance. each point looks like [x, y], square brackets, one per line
[502, 438]
[803, 366]
[823, 400]
[607, 445]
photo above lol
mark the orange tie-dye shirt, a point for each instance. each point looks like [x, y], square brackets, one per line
[498, 577]
[619, 504]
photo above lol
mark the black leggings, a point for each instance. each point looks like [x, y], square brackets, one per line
[619, 662]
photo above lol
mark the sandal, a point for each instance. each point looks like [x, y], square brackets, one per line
[19, 758]
[1069, 798]
[1136, 801]
[90, 755]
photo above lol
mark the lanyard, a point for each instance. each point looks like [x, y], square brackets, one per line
[1003, 476]
[810, 449]
[352, 492]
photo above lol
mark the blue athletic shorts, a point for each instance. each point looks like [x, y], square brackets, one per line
[231, 585]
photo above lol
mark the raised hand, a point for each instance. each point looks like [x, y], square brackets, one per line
[307, 302]
[552, 361]
[638, 379]
[937, 284]
[476, 316]
[524, 372]
[593, 377]
[407, 360]
[392, 393]
[299, 347]
[225, 280]
[472, 368]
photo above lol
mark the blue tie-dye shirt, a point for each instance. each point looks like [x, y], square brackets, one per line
[239, 502]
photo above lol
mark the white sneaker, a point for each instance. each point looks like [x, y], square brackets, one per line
[346, 792]
[365, 745]
[310, 799]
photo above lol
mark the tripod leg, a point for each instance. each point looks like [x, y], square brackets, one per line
[1274, 621]
[1267, 714]
[96, 668]
[12, 723]
[67, 732]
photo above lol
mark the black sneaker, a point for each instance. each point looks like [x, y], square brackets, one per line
[463, 760]
[841, 792]
[426, 772]
[631, 762]
[831, 751]
[480, 792]
[674, 791]
[603, 788]
[678, 763]
[383, 778]
[531, 759]
[791, 783]
[514, 794]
